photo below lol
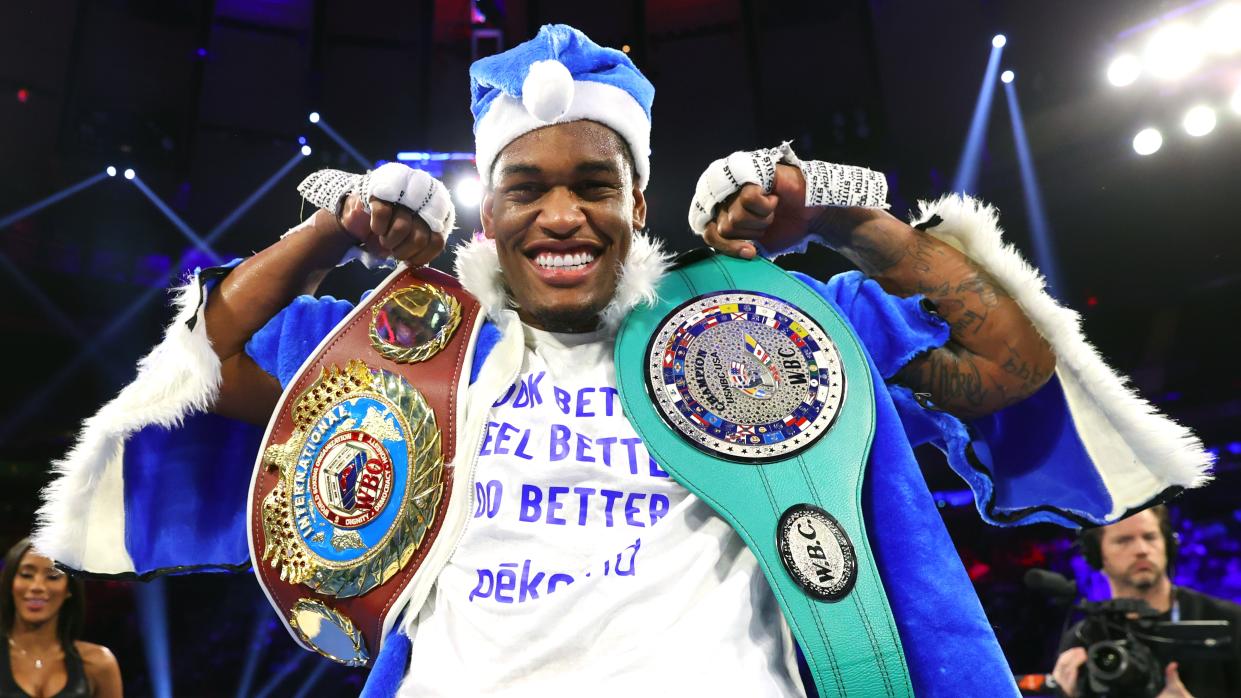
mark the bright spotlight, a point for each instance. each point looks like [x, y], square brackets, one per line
[1223, 29]
[1148, 141]
[1124, 69]
[1006, 76]
[129, 173]
[305, 150]
[1173, 52]
[1199, 121]
[469, 191]
[314, 117]
[111, 171]
[999, 40]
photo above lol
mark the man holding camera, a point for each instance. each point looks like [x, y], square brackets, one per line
[1137, 555]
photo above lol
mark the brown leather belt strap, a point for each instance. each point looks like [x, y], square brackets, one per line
[362, 611]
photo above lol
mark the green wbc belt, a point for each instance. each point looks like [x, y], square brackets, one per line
[754, 393]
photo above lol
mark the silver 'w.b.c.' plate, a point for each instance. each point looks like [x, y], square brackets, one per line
[745, 376]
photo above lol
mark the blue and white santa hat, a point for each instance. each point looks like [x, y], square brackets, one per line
[559, 76]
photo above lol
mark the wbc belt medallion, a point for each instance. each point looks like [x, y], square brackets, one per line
[360, 478]
[745, 376]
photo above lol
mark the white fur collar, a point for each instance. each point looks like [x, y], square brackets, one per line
[478, 268]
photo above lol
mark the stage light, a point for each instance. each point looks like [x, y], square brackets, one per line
[111, 171]
[1148, 141]
[1007, 76]
[625, 48]
[1223, 29]
[129, 173]
[469, 191]
[1173, 52]
[1199, 121]
[301, 140]
[966, 176]
[23, 95]
[1124, 69]
[305, 150]
[999, 40]
[1041, 234]
[363, 162]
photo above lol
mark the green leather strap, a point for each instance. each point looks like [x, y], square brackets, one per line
[851, 644]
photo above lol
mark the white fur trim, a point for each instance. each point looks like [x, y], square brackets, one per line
[478, 268]
[82, 520]
[1138, 451]
[507, 119]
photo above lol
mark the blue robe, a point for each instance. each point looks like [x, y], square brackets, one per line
[1025, 464]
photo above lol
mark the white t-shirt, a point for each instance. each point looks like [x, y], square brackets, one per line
[585, 567]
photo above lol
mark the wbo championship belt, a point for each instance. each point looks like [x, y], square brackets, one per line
[351, 486]
[752, 392]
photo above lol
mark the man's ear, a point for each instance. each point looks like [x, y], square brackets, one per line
[639, 209]
[484, 212]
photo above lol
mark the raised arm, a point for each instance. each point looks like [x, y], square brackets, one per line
[254, 292]
[994, 356]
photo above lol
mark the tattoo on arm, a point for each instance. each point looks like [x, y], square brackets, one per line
[954, 381]
[994, 356]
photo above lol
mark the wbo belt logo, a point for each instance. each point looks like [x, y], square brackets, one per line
[351, 477]
[361, 477]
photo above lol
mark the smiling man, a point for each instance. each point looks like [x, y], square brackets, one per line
[562, 211]
[570, 560]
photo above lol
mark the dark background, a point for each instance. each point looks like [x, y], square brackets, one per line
[207, 99]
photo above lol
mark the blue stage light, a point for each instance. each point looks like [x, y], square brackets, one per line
[258, 641]
[61, 195]
[1036, 214]
[999, 40]
[173, 218]
[312, 679]
[306, 150]
[281, 673]
[1007, 76]
[129, 173]
[152, 615]
[423, 156]
[32, 405]
[340, 140]
[111, 171]
[967, 168]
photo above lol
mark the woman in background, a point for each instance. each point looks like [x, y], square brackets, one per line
[41, 612]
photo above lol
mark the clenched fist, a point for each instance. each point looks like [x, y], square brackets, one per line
[390, 230]
[778, 221]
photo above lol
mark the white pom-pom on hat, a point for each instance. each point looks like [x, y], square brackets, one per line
[547, 91]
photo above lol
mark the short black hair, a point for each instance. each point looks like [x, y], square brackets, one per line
[1091, 539]
[72, 614]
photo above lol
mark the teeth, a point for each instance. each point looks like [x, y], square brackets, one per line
[551, 260]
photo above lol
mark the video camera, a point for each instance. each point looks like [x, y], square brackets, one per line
[1127, 645]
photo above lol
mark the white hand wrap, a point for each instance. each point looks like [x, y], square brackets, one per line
[393, 183]
[827, 184]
